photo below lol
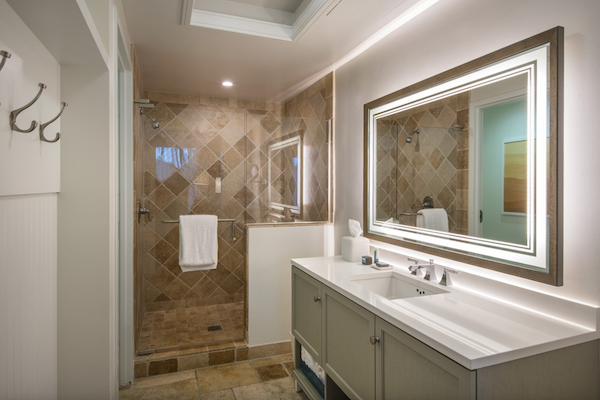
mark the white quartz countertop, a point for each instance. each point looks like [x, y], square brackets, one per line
[473, 330]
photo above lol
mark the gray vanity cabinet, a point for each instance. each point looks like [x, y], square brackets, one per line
[408, 369]
[348, 355]
[366, 358]
[306, 312]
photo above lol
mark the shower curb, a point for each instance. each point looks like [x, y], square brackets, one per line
[206, 356]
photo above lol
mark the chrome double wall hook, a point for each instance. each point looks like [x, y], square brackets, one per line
[15, 113]
[4, 55]
[43, 126]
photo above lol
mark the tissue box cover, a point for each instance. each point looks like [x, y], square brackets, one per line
[353, 248]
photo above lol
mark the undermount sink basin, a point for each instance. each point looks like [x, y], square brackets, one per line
[393, 285]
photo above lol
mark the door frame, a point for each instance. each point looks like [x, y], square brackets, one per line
[126, 214]
[475, 162]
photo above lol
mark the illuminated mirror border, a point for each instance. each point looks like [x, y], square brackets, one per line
[540, 58]
[295, 141]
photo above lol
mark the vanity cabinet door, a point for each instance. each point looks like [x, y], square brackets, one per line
[348, 355]
[306, 312]
[407, 369]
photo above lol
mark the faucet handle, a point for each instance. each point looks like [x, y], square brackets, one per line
[445, 281]
[427, 276]
[430, 274]
[413, 268]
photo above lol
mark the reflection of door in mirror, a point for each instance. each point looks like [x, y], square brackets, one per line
[499, 179]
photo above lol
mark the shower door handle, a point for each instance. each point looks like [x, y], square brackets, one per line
[142, 210]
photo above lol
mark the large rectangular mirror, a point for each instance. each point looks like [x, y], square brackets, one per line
[467, 164]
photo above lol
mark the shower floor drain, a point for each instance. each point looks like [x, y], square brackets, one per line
[215, 328]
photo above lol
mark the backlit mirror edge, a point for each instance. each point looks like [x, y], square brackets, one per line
[554, 276]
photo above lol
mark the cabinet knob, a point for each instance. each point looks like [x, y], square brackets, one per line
[374, 340]
[317, 298]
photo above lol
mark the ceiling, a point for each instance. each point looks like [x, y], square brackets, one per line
[195, 60]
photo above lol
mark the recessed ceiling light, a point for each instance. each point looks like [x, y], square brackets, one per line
[227, 83]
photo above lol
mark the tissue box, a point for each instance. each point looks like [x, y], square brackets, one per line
[353, 248]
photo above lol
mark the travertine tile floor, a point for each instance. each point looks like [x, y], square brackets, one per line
[260, 379]
[186, 327]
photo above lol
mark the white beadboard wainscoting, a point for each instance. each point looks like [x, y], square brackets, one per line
[28, 314]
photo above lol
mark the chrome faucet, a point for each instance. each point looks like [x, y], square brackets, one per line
[445, 281]
[430, 269]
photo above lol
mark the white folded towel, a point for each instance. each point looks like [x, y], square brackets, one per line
[433, 218]
[198, 244]
[312, 364]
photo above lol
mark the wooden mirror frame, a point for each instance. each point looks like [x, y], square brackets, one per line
[554, 275]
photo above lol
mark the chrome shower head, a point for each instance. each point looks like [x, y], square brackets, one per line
[409, 138]
[155, 124]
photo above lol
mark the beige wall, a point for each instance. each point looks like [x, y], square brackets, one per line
[450, 34]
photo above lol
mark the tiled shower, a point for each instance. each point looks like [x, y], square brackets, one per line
[200, 142]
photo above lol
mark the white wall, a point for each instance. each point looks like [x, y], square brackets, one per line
[83, 238]
[29, 178]
[28, 165]
[270, 276]
[451, 33]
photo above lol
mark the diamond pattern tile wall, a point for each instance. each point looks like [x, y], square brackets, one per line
[439, 169]
[201, 139]
[308, 113]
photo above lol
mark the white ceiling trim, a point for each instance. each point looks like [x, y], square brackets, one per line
[402, 19]
[250, 26]
[247, 26]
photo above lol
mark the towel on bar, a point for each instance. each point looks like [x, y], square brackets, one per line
[433, 218]
[198, 242]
